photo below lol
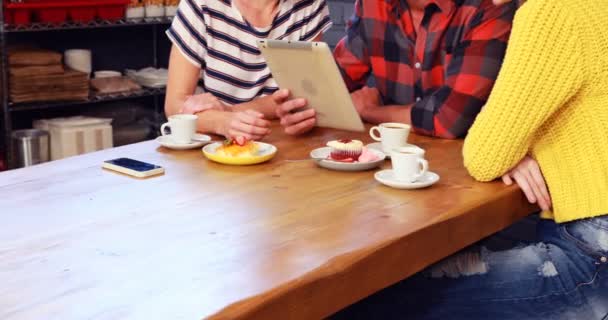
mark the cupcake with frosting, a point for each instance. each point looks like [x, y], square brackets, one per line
[345, 149]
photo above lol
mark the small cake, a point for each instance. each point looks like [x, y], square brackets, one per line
[230, 148]
[345, 149]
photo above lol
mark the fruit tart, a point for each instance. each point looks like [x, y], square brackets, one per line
[232, 148]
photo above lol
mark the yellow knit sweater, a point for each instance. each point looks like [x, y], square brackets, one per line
[551, 101]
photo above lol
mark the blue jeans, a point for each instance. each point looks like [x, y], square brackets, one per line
[561, 274]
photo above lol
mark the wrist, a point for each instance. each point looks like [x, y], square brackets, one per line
[370, 114]
[213, 121]
[222, 123]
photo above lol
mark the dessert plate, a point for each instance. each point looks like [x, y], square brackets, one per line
[265, 152]
[320, 156]
[198, 140]
[387, 178]
[378, 146]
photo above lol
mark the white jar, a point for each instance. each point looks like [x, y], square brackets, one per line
[135, 13]
[79, 60]
[170, 11]
[155, 11]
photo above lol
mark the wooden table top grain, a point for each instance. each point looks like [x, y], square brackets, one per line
[281, 240]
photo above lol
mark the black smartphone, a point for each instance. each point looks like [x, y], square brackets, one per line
[135, 168]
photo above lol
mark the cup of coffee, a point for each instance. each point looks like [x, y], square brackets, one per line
[391, 134]
[409, 164]
[183, 127]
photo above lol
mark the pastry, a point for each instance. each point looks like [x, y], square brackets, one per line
[230, 148]
[345, 149]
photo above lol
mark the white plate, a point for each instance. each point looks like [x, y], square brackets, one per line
[387, 177]
[265, 152]
[378, 146]
[320, 155]
[198, 141]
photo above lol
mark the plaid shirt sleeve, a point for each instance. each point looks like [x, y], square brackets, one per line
[450, 111]
[351, 53]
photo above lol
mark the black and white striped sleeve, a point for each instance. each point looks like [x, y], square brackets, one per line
[188, 31]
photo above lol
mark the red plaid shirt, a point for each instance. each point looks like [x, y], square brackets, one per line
[444, 73]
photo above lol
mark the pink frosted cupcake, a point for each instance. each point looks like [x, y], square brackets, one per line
[345, 149]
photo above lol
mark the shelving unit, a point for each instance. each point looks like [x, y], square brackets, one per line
[9, 109]
[36, 26]
[145, 92]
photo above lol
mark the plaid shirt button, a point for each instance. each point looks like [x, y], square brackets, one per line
[418, 99]
[417, 65]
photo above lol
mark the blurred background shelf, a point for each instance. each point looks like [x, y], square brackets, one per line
[116, 44]
[69, 25]
[94, 98]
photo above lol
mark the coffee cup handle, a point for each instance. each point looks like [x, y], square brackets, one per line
[425, 168]
[372, 133]
[163, 127]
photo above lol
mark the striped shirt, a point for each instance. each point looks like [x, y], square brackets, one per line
[213, 35]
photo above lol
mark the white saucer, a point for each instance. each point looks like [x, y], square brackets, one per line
[378, 146]
[320, 156]
[198, 140]
[386, 177]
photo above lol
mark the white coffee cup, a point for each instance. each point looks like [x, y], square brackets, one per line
[183, 128]
[413, 149]
[391, 134]
[409, 164]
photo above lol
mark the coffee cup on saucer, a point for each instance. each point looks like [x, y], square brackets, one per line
[409, 164]
[182, 126]
[391, 135]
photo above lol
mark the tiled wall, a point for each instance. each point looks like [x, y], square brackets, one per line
[341, 11]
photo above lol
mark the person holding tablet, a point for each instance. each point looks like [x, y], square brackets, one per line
[434, 63]
[215, 41]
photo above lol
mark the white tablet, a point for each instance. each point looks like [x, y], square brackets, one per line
[309, 71]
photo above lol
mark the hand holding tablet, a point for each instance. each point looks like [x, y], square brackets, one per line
[295, 117]
[309, 71]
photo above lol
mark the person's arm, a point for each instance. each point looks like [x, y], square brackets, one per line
[189, 38]
[183, 78]
[368, 103]
[541, 72]
[212, 117]
[264, 105]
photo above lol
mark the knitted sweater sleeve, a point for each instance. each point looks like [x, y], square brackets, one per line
[540, 73]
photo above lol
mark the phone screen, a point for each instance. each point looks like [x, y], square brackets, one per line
[133, 164]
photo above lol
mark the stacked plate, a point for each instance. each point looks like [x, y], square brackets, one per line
[150, 77]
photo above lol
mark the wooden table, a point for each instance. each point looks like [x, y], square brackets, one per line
[282, 240]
